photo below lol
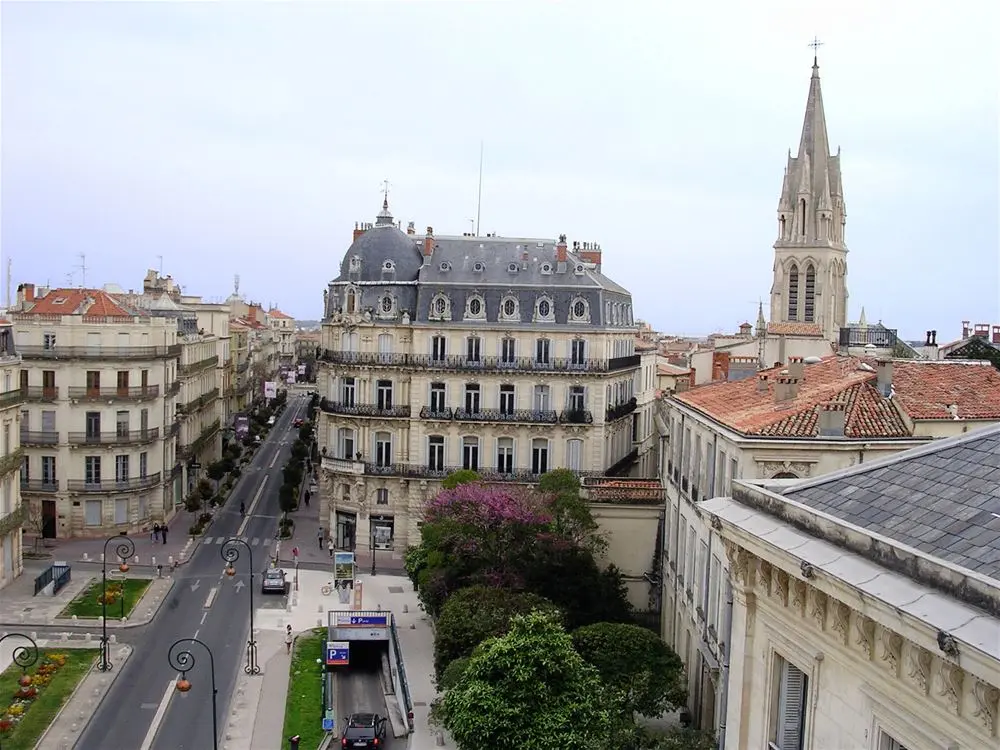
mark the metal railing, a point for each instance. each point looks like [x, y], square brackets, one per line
[420, 471]
[363, 410]
[11, 398]
[125, 437]
[173, 389]
[40, 393]
[401, 671]
[503, 415]
[39, 485]
[427, 412]
[133, 393]
[109, 485]
[192, 367]
[99, 352]
[576, 416]
[207, 434]
[620, 410]
[175, 429]
[464, 363]
[879, 337]
[58, 575]
[197, 403]
[11, 461]
[39, 437]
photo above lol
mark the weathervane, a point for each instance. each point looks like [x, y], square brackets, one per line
[385, 190]
[815, 44]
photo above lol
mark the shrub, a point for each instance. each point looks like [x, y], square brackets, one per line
[453, 673]
[462, 476]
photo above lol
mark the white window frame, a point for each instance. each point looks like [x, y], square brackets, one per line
[507, 301]
[438, 353]
[348, 385]
[382, 448]
[384, 393]
[382, 496]
[509, 464]
[472, 401]
[539, 317]
[507, 392]
[440, 308]
[347, 435]
[470, 443]
[541, 447]
[578, 346]
[434, 447]
[788, 693]
[572, 315]
[574, 445]
[508, 343]
[469, 315]
[88, 513]
[122, 467]
[432, 397]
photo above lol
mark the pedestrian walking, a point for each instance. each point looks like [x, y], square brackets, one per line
[306, 497]
[319, 537]
[329, 546]
[163, 533]
[288, 639]
[154, 535]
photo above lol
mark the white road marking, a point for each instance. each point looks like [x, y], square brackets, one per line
[208, 540]
[273, 461]
[219, 540]
[161, 711]
[255, 541]
[204, 615]
[253, 505]
[196, 633]
[212, 593]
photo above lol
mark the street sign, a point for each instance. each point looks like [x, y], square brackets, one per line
[338, 653]
[328, 725]
[362, 621]
[194, 466]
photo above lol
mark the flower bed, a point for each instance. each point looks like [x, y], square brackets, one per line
[30, 701]
[88, 602]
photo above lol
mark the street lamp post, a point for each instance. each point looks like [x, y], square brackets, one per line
[124, 550]
[231, 553]
[371, 547]
[180, 658]
[23, 656]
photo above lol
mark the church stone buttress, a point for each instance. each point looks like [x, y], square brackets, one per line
[810, 256]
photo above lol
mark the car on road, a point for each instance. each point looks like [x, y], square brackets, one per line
[298, 422]
[365, 731]
[270, 421]
[274, 582]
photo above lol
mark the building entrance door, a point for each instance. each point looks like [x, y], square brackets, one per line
[48, 519]
[347, 525]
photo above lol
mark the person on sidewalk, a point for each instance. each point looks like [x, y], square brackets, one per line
[154, 535]
[306, 498]
[329, 546]
[288, 639]
[163, 533]
[319, 537]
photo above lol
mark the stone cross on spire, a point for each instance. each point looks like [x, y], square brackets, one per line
[815, 44]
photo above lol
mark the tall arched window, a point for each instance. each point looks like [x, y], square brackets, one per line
[352, 300]
[810, 300]
[793, 292]
[802, 217]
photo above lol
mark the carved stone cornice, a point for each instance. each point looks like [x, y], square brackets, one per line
[799, 594]
[987, 699]
[817, 609]
[920, 668]
[764, 576]
[770, 468]
[865, 628]
[892, 649]
[951, 678]
[779, 585]
[740, 567]
[842, 621]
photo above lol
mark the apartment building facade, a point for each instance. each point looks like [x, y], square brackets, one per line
[509, 357]
[283, 328]
[789, 423]
[96, 418]
[11, 457]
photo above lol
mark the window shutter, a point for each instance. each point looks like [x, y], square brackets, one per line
[790, 707]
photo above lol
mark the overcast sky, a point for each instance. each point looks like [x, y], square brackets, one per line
[245, 138]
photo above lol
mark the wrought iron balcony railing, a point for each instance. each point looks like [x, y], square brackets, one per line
[39, 437]
[111, 485]
[11, 398]
[620, 410]
[504, 415]
[123, 437]
[99, 352]
[173, 389]
[202, 440]
[427, 412]
[576, 416]
[877, 336]
[39, 485]
[463, 363]
[363, 410]
[133, 393]
[192, 367]
[197, 403]
[438, 471]
[40, 393]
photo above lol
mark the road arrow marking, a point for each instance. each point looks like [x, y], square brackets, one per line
[239, 585]
[195, 585]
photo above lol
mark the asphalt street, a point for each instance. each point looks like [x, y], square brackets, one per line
[359, 690]
[143, 711]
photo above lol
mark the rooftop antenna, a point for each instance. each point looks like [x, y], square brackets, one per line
[472, 226]
[83, 270]
[236, 284]
[479, 200]
[10, 263]
[160, 257]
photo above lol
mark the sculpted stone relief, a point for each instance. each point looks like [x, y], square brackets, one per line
[892, 650]
[987, 706]
[920, 668]
[866, 635]
[799, 468]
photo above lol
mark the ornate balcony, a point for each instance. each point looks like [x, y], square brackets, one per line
[135, 393]
[420, 471]
[35, 438]
[201, 441]
[877, 336]
[125, 437]
[195, 404]
[12, 520]
[342, 465]
[515, 415]
[11, 398]
[363, 410]
[99, 352]
[620, 410]
[461, 363]
[11, 461]
[110, 485]
[175, 429]
[441, 414]
[32, 486]
[576, 416]
[173, 389]
[194, 367]
[44, 393]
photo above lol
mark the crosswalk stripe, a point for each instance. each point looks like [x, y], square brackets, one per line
[219, 540]
[208, 540]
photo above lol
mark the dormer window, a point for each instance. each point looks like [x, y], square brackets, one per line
[544, 310]
[512, 268]
[475, 308]
[355, 264]
[546, 269]
[386, 305]
[579, 270]
[353, 300]
[445, 266]
[59, 301]
[440, 308]
[510, 310]
[579, 311]
[478, 267]
[388, 265]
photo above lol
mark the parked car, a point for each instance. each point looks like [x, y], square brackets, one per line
[270, 421]
[298, 422]
[274, 582]
[366, 731]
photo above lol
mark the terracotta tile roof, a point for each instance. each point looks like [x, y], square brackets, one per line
[739, 405]
[794, 329]
[623, 490]
[276, 313]
[74, 302]
[669, 369]
[925, 388]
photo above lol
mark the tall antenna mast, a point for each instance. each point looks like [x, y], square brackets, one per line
[479, 200]
[10, 263]
[160, 257]
[236, 284]
[83, 270]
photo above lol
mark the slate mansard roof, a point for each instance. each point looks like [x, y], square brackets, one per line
[385, 261]
[942, 499]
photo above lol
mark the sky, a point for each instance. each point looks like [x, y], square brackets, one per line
[247, 138]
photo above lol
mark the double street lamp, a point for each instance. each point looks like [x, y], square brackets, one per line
[180, 658]
[125, 549]
[231, 553]
[23, 656]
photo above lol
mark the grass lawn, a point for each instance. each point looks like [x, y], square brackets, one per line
[51, 698]
[303, 709]
[88, 602]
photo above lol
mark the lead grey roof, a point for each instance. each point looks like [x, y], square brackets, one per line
[379, 244]
[942, 499]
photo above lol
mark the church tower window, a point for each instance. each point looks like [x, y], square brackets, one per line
[810, 300]
[802, 209]
[793, 293]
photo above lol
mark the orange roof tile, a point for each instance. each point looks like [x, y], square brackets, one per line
[925, 388]
[794, 329]
[75, 302]
[276, 313]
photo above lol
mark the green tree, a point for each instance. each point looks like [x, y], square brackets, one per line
[306, 432]
[676, 738]
[528, 688]
[205, 489]
[216, 471]
[642, 673]
[473, 614]
[292, 473]
[571, 515]
[288, 497]
[299, 450]
[453, 673]
[462, 476]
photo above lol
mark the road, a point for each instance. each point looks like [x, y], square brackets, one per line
[143, 711]
[359, 690]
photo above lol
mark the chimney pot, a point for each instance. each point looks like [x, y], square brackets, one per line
[966, 332]
[884, 377]
[796, 367]
[832, 419]
[996, 335]
[561, 249]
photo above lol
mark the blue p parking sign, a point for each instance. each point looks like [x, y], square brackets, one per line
[327, 725]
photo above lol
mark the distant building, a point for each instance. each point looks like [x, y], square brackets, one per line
[12, 514]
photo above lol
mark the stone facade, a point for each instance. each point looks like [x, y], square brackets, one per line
[11, 457]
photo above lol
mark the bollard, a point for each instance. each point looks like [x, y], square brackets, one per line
[153, 561]
[439, 739]
[113, 638]
[413, 626]
[73, 618]
[136, 559]
[87, 637]
[124, 620]
[159, 571]
[86, 557]
[170, 559]
[406, 608]
[34, 635]
[100, 619]
[293, 743]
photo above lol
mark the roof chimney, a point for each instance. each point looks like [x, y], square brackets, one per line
[996, 335]
[785, 388]
[884, 377]
[359, 229]
[29, 292]
[966, 330]
[429, 242]
[953, 411]
[832, 419]
[796, 368]
[561, 249]
[762, 384]
[411, 228]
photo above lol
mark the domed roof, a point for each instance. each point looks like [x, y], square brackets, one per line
[383, 253]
